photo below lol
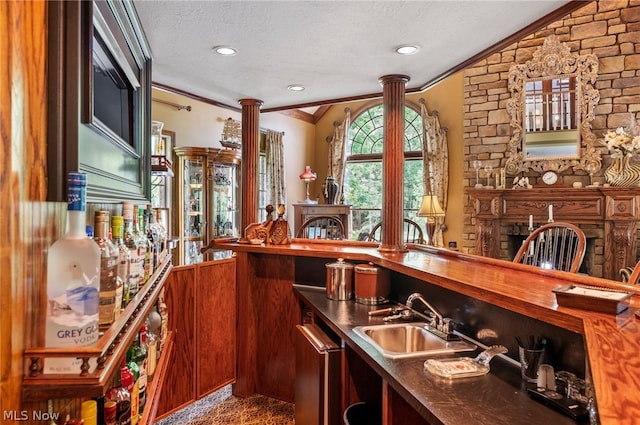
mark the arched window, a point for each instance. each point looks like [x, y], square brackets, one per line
[363, 171]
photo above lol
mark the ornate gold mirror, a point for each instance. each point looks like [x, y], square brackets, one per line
[552, 105]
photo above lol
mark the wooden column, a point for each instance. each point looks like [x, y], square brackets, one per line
[250, 151]
[393, 93]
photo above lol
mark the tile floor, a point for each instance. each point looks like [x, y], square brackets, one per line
[222, 407]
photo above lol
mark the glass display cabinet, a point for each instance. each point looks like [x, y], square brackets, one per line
[206, 204]
[162, 174]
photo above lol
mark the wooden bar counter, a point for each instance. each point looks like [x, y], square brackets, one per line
[612, 342]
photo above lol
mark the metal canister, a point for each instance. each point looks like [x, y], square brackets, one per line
[371, 284]
[339, 280]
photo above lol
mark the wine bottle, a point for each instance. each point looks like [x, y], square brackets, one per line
[73, 284]
[108, 270]
[136, 271]
[124, 259]
[143, 245]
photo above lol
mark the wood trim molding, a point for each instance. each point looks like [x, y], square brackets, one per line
[190, 95]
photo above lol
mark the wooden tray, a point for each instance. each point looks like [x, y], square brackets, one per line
[594, 298]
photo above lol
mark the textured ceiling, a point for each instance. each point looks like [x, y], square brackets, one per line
[336, 49]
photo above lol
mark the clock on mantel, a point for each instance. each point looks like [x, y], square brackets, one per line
[550, 179]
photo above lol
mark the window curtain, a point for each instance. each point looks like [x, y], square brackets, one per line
[436, 163]
[274, 156]
[338, 150]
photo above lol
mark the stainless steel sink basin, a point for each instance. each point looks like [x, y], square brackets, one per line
[402, 340]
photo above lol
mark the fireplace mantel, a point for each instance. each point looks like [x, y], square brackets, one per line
[616, 209]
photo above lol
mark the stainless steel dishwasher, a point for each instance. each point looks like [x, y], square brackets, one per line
[317, 398]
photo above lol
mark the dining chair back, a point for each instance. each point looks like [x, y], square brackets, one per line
[322, 227]
[554, 246]
[631, 275]
[411, 230]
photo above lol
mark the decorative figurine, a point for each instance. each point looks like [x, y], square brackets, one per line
[279, 233]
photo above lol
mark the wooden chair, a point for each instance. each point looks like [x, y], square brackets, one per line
[631, 275]
[412, 232]
[554, 246]
[322, 227]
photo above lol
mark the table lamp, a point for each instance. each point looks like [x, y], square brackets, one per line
[308, 176]
[430, 208]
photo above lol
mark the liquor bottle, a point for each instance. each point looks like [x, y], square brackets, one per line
[135, 263]
[143, 245]
[119, 282]
[123, 408]
[135, 389]
[152, 235]
[164, 315]
[162, 233]
[110, 407]
[152, 351]
[108, 270]
[124, 260]
[140, 353]
[73, 284]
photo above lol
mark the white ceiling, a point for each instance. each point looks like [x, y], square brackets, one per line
[336, 49]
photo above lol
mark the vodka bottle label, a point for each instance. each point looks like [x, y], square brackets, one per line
[73, 284]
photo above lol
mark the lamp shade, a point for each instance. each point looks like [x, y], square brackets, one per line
[308, 175]
[430, 207]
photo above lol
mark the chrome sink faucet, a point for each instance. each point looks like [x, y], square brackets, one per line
[437, 321]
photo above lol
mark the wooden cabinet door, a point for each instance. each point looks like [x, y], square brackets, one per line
[215, 325]
[179, 389]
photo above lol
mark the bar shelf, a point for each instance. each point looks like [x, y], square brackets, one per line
[106, 355]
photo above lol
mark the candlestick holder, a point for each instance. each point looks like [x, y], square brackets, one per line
[476, 165]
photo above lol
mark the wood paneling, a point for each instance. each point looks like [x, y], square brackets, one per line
[180, 299]
[202, 314]
[267, 314]
[396, 410]
[215, 325]
[278, 313]
[611, 362]
[246, 383]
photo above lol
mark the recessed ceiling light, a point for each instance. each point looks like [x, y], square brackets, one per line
[225, 50]
[408, 49]
[295, 87]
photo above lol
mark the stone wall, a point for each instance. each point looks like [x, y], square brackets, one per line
[610, 29]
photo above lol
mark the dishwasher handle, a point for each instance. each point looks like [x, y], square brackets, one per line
[316, 337]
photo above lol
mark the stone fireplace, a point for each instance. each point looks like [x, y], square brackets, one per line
[608, 29]
[607, 216]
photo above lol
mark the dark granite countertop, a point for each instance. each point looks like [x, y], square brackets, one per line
[496, 398]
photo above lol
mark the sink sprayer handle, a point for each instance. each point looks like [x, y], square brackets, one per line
[485, 357]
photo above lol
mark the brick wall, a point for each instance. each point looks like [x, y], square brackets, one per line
[610, 29]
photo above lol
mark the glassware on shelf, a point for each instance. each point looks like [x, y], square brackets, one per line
[488, 169]
[157, 141]
[476, 165]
